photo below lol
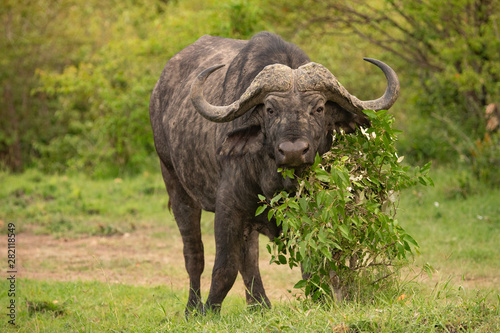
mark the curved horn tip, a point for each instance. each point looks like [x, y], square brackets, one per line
[392, 91]
[209, 71]
[378, 63]
[368, 59]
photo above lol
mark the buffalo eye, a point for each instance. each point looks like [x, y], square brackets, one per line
[270, 110]
[320, 109]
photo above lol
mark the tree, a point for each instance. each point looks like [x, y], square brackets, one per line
[39, 35]
[447, 51]
[76, 76]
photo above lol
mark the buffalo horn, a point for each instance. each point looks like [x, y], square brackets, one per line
[391, 92]
[314, 76]
[311, 76]
[272, 78]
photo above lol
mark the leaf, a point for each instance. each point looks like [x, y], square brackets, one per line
[344, 230]
[294, 206]
[312, 244]
[276, 199]
[429, 270]
[303, 203]
[270, 214]
[336, 246]
[323, 176]
[285, 226]
[326, 253]
[320, 196]
[322, 237]
[260, 210]
[371, 114]
[325, 215]
[426, 168]
[411, 240]
[302, 249]
[422, 181]
[301, 284]
[317, 161]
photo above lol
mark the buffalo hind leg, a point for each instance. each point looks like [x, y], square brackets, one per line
[249, 269]
[187, 214]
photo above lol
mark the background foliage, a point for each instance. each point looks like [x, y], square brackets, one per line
[446, 54]
[75, 77]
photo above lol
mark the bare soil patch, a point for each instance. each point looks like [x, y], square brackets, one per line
[153, 257]
[149, 257]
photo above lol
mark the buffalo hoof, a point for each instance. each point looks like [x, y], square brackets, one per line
[211, 309]
[194, 310]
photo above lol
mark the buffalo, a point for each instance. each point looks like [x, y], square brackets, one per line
[226, 114]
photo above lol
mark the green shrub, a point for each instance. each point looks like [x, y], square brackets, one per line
[341, 225]
[486, 159]
[102, 106]
[243, 19]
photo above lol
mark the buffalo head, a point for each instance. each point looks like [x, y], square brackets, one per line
[298, 108]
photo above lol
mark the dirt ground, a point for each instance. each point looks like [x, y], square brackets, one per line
[154, 257]
[139, 258]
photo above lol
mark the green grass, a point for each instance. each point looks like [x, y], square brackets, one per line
[456, 224]
[74, 206]
[100, 307]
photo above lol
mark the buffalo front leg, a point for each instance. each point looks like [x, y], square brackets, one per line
[249, 269]
[228, 231]
[187, 214]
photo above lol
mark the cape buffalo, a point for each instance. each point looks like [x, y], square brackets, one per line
[226, 114]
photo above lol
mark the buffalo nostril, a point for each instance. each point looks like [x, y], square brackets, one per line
[301, 147]
[293, 153]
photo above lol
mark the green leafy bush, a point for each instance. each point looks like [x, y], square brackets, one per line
[340, 225]
[102, 107]
[486, 159]
[77, 76]
[243, 19]
[98, 105]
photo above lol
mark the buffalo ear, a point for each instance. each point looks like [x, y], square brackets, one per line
[242, 141]
[338, 118]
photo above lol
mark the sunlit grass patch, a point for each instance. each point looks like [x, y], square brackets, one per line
[76, 205]
[97, 307]
[458, 235]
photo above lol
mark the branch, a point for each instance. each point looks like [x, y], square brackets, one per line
[353, 19]
[383, 277]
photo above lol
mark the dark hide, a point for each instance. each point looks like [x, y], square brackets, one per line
[222, 167]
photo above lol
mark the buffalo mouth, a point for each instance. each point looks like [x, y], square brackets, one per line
[290, 185]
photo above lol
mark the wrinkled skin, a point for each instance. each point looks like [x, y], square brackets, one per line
[222, 167]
